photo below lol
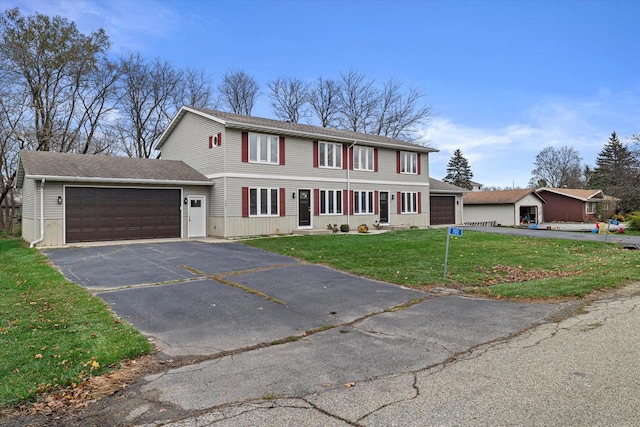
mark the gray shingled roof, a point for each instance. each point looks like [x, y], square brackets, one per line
[99, 168]
[239, 121]
[497, 197]
[437, 186]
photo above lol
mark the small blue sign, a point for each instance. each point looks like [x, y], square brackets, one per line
[455, 231]
[614, 222]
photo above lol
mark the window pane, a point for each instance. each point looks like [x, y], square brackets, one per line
[263, 149]
[414, 162]
[363, 202]
[338, 201]
[370, 201]
[403, 162]
[263, 201]
[338, 156]
[274, 201]
[322, 154]
[414, 205]
[404, 202]
[274, 149]
[253, 147]
[323, 201]
[356, 158]
[253, 202]
[356, 201]
[331, 202]
[330, 155]
[370, 158]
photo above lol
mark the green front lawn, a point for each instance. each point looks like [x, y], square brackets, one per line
[53, 333]
[492, 264]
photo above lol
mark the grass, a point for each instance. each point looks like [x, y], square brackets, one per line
[53, 333]
[491, 264]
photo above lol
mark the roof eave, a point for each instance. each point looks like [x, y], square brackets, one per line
[94, 179]
[176, 119]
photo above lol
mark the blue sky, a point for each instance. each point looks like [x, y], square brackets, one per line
[505, 78]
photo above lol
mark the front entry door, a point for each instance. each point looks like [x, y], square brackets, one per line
[384, 207]
[304, 208]
[195, 212]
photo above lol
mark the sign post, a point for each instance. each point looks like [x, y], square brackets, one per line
[453, 231]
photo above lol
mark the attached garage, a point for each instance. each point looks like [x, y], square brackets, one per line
[445, 203]
[72, 198]
[99, 214]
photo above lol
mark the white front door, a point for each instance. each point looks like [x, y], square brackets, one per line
[196, 214]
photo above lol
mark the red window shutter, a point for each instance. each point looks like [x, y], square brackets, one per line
[375, 160]
[315, 154]
[375, 202]
[281, 150]
[245, 201]
[345, 151]
[397, 162]
[399, 197]
[351, 158]
[219, 139]
[210, 141]
[418, 163]
[345, 200]
[245, 146]
[316, 202]
[419, 202]
[351, 202]
[283, 203]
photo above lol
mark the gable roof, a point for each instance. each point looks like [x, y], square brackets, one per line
[98, 168]
[259, 124]
[503, 197]
[584, 195]
[437, 186]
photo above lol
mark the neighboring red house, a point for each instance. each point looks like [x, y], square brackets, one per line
[570, 205]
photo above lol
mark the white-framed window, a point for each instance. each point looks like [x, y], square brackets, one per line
[263, 148]
[409, 202]
[591, 207]
[263, 202]
[408, 162]
[329, 155]
[363, 202]
[363, 158]
[330, 202]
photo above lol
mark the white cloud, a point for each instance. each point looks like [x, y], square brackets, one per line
[504, 156]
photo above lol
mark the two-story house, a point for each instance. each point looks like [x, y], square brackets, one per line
[229, 175]
[274, 177]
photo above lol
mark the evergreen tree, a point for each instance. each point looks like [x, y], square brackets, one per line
[458, 171]
[617, 173]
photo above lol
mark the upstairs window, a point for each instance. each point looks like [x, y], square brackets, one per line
[329, 155]
[408, 162]
[263, 148]
[363, 158]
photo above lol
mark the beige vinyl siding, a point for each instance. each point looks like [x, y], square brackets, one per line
[189, 142]
[501, 214]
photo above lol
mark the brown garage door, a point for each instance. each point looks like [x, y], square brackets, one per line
[99, 214]
[443, 210]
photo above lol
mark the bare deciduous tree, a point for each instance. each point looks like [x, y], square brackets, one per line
[324, 99]
[195, 90]
[558, 167]
[289, 98]
[148, 92]
[398, 114]
[358, 102]
[239, 91]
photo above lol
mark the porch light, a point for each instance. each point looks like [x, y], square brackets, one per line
[59, 200]
[293, 195]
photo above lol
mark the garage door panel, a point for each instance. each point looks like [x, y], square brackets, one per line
[102, 214]
[442, 210]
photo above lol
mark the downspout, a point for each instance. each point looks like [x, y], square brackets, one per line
[35, 242]
[349, 200]
[224, 191]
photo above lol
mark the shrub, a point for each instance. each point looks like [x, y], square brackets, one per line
[633, 221]
[618, 217]
[332, 227]
[344, 228]
[414, 227]
[362, 228]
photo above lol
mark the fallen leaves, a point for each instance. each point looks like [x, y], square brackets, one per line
[516, 274]
[351, 384]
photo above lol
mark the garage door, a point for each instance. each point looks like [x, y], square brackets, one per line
[443, 210]
[99, 214]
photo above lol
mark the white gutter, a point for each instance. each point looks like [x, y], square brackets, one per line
[224, 189]
[35, 242]
[117, 180]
